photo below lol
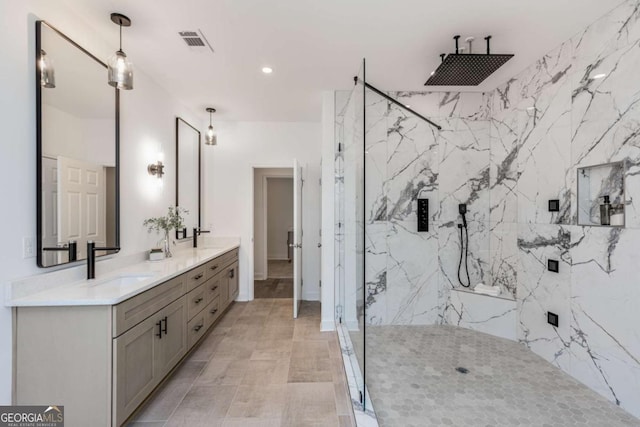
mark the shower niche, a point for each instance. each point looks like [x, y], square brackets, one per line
[601, 198]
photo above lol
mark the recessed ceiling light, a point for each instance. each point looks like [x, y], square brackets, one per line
[267, 70]
[433, 72]
[599, 76]
[407, 105]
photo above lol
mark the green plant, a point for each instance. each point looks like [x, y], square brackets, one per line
[173, 220]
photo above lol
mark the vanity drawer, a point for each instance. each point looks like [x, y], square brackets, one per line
[129, 313]
[213, 287]
[214, 266]
[196, 328]
[196, 300]
[195, 277]
[212, 312]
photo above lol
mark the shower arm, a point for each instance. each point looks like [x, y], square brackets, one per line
[399, 104]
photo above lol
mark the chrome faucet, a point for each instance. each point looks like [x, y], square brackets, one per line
[71, 248]
[91, 258]
[196, 233]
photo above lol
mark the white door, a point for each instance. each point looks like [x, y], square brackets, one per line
[81, 203]
[50, 212]
[297, 237]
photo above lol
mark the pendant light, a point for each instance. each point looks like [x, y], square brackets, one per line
[211, 138]
[47, 73]
[120, 69]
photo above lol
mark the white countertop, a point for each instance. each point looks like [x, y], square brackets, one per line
[100, 292]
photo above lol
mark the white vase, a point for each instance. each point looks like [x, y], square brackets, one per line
[167, 246]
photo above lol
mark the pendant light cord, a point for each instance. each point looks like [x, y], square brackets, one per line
[121, 36]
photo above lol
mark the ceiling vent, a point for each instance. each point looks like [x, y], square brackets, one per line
[195, 40]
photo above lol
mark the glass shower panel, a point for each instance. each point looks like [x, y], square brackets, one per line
[349, 168]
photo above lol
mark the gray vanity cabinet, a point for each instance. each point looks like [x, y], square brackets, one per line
[143, 355]
[102, 362]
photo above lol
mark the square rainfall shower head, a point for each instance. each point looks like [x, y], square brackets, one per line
[466, 69]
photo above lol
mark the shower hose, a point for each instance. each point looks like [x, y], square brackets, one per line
[464, 251]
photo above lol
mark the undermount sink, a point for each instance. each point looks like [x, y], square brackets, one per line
[125, 280]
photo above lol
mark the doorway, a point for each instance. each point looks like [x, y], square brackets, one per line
[273, 232]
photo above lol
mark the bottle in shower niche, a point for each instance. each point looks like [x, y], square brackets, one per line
[616, 218]
[605, 212]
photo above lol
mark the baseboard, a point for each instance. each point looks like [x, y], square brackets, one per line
[352, 325]
[259, 276]
[278, 259]
[311, 296]
[242, 297]
[328, 325]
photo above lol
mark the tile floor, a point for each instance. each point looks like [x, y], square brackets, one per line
[278, 269]
[257, 367]
[273, 288]
[412, 379]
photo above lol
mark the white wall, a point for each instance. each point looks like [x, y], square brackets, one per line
[279, 216]
[147, 126]
[328, 211]
[229, 186]
[78, 138]
[259, 224]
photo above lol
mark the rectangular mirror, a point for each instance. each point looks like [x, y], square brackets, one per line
[188, 175]
[77, 133]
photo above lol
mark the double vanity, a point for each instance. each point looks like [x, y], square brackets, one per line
[100, 347]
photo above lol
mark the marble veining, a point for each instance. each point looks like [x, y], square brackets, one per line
[506, 154]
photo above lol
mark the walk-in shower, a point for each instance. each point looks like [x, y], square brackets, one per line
[421, 347]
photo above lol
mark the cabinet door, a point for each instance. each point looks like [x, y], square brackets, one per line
[233, 281]
[134, 367]
[173, 343]
[224, 289]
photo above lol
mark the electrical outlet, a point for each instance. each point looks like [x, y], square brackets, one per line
[28, 247]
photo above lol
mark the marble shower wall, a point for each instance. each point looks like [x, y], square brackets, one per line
[506, 154]
[408, 274]
[546, 122]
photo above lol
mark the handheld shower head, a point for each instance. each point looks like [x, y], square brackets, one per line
[462, 209]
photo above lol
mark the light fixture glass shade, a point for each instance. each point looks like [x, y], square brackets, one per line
[211, 138]
[47, 72]
[120, 71]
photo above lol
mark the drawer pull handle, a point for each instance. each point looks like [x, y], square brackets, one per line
[159, 325]
[214, 288]
[198, 277]
[165, 325]
[198, 301]
[232, 273]
[214, 267]
[198, 327]
[214, 311]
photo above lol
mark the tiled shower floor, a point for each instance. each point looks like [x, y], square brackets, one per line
[412, 380]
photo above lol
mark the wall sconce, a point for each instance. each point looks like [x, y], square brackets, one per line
[211, 138]
[156, 169]
[47, 72]
[120, 70]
